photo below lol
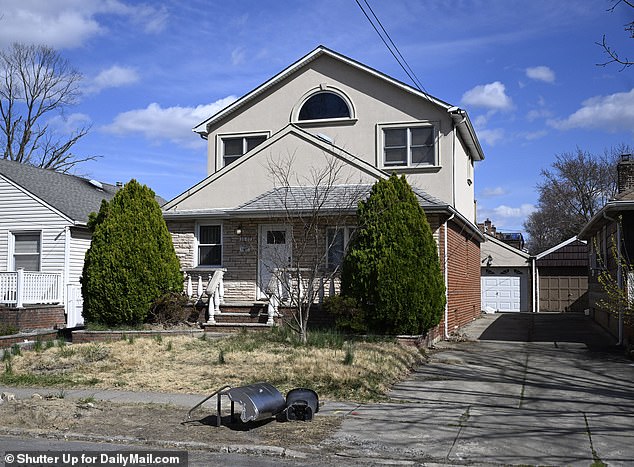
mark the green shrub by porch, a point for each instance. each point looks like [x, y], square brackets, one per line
[131, 261]
[392, 268]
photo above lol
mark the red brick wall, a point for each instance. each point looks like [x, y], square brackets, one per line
[8, 341]
[463, 268]
[34, 317]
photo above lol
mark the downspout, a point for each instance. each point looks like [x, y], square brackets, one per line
[65, 279]
[446, 274]
[453, 165]
[619, 272]
[535, 282]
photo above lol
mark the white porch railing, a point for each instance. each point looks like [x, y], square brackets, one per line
[30, 288]
[215, 290]
[290, 285]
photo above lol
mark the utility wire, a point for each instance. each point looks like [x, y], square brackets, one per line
[394, 49]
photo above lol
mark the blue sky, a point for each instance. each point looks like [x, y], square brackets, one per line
[525, 71]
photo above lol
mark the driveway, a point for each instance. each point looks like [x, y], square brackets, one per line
[543, 389]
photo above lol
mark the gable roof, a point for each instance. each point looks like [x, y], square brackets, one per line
[558, 247]
[460, 117]
[326, 146]
[505, 246]
[74, 197]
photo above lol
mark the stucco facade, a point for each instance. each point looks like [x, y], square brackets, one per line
[385, 127]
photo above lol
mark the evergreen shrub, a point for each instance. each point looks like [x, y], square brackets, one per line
[131, 261]
[391, 268]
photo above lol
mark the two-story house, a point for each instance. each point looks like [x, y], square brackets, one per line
[327, 110]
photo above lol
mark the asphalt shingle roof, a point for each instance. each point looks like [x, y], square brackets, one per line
[307, 198]
[74, 196]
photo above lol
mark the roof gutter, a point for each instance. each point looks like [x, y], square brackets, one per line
[466, 130]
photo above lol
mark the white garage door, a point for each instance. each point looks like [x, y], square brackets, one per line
[504, 292]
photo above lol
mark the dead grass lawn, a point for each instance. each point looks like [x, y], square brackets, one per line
[337, 370]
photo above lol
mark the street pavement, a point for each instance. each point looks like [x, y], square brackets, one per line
[509, 389]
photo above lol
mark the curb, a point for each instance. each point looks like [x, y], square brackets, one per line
[185, 445]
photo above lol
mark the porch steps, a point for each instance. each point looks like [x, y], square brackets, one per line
[235, 317]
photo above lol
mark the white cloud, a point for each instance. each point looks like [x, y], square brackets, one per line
[171, 123]
[493, 192]
[506, 212]
[69, 124]
[536, 114]
[533, 135]
[541, 73]
[491, 96]
[613, 113]
[237, 56]
[113, 77]
[70, 23]
[490, 136]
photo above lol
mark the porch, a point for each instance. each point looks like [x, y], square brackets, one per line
[286, 288]
[22, 287]
[39, 300]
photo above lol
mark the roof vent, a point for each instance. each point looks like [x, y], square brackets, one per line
[96, 184]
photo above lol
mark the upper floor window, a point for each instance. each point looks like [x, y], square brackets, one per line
[235, 147]
[413, 146]
[209, 245]
[26, 251]
[322, 106]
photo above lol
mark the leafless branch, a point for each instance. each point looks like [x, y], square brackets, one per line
[36, 83]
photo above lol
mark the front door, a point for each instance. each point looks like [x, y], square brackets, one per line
[274, 253]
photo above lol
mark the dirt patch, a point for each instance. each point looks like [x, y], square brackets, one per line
[151, 423]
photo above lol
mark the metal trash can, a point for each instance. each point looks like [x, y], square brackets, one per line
[258, 401]
[301, 404]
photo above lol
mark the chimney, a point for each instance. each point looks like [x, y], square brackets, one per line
[625, 173]
[487, 225]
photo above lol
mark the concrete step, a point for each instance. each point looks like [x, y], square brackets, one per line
[236, 327]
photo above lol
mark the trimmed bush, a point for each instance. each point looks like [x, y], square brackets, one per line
[131, 261]
[391, 268]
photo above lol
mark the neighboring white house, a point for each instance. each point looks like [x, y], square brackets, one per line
[327, 108]
[44, 237]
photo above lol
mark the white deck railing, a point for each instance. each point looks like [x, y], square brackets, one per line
[30, 288]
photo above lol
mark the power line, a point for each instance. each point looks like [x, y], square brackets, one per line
[394, 49]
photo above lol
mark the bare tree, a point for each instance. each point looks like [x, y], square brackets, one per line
[319, 207]
[613, 56]
[573, 190]
[36, 83]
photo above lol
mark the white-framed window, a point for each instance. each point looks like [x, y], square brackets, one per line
[209, 238]
[27, 251]
[408, 145]
[337, 239]
[233, 147]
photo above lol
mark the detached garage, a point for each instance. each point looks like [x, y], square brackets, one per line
[505, 277]
[563, 277]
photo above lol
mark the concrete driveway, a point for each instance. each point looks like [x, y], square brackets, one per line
[537, 389]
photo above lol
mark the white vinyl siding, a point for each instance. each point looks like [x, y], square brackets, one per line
[79, 244]
[20, 212]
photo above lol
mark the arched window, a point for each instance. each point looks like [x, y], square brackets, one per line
[324, 105]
